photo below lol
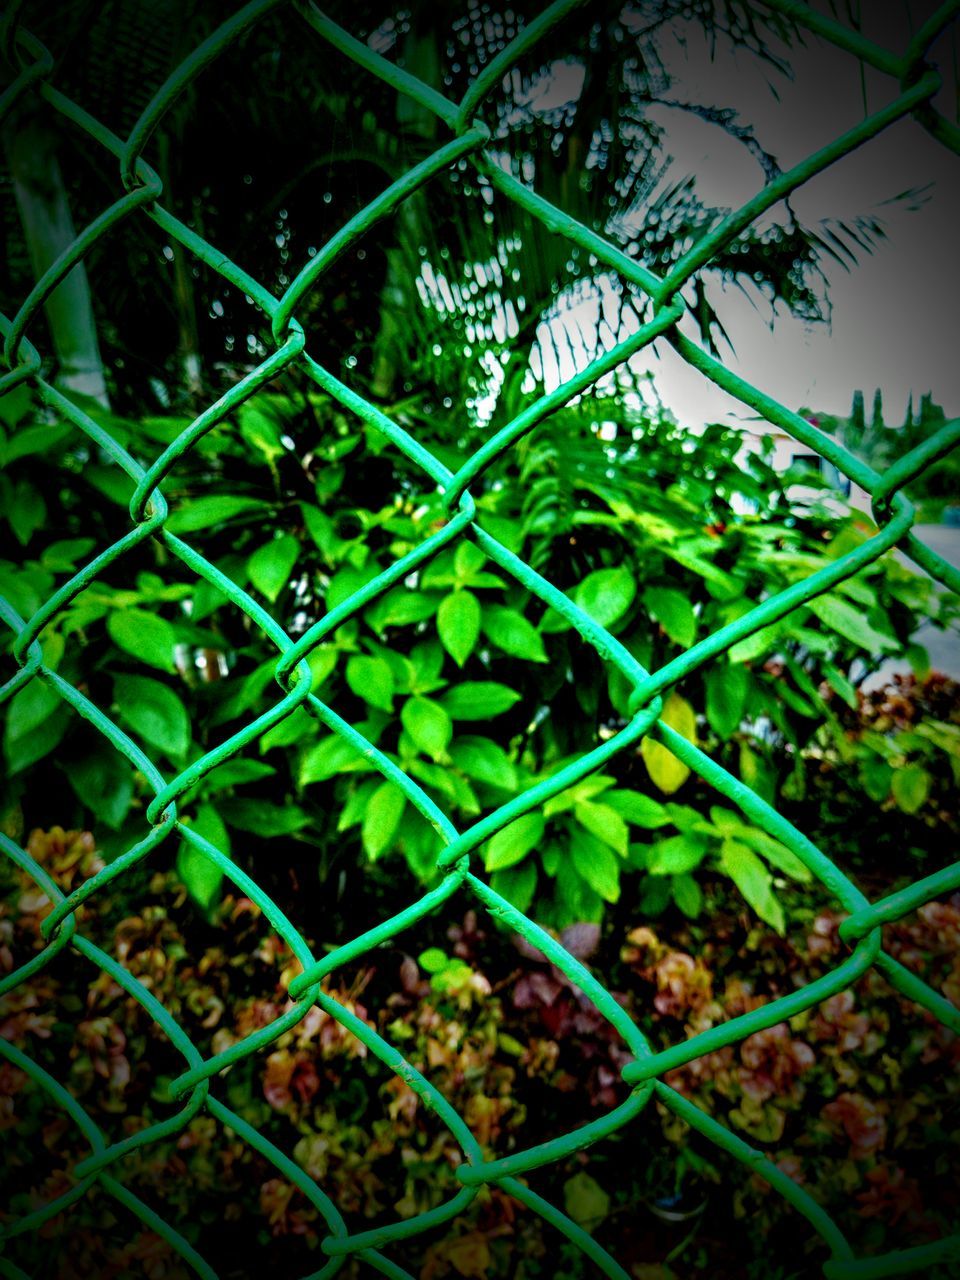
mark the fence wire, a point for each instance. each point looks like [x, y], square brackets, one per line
[469, 137]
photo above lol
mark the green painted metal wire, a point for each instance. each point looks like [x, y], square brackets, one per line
[139, 192]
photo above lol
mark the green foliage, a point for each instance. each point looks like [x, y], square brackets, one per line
[461, 677]
[154, 712]
[899, 745]
[881, 444]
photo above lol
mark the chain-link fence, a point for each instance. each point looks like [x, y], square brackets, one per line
[195, 1088]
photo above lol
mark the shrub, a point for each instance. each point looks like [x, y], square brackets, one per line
[457, 673]
[855, 1098]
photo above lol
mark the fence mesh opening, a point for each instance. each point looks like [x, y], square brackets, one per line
[465, 136]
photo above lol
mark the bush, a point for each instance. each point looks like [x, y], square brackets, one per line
[457, 673]
[856, 1098]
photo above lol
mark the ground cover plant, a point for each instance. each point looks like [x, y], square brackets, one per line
[856, 1099]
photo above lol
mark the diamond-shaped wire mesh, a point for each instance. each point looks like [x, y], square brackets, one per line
[862, 928]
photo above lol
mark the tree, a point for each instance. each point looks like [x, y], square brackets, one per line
[468, 293]
[876, 420]
[48, 230]
[857, 422]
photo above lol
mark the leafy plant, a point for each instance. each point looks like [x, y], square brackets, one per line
[853, 1097]
[461, 677]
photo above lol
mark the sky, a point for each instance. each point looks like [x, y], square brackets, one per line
[893, 322]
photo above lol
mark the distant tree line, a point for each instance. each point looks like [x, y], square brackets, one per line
[881, 443]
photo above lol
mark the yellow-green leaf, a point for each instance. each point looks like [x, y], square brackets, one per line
[585, 1201]
[667, 772]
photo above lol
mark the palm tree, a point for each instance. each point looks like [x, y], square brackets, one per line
[462, 290]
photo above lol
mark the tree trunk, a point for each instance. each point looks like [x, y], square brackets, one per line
[421, 56]
[48, 229]
[184, 296]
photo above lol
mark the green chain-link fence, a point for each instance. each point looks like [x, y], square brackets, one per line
[862, 929]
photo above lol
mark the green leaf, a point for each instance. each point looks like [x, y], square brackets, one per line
[458, 624]
[585, 789]
[116, 486]
[910, 786]
[146, 635]
[943, 735]
[676, 855]
[372, 680]
[851, 623]
[876, 776]
[30, 707]
[464, 795]
[485, 761]
[260, 431]
[727, 686]
[32, 440]
[687, 895]
[777, 854]
[25, 511]
[294, 727]
[839, 682]
[479, 700]
[62, 557]
[26, 738]
[757, 773]
[433, 960]
[428, 724]
[637, 808]
[585, 1201]
[655, 895]
[321, 529]
[516, 884]
[103, 781]
[331, 756]
[25, 587]
[510, 631]
[606, 595]
[382, 818]
[356, 805]
[596, 863]
[202, 513]
[605, 823]
[753, 880]
[346, 582]
[400, 607]
[322, 662]
[426, 661]
[755, 646]
[271, 565]
[154, 712]
[468, 560]
[437, 776]
[667, 772]
[235, 773]
[201, 876]
[673, 610]
[509, 532]
[514, 842]
[261, 818]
